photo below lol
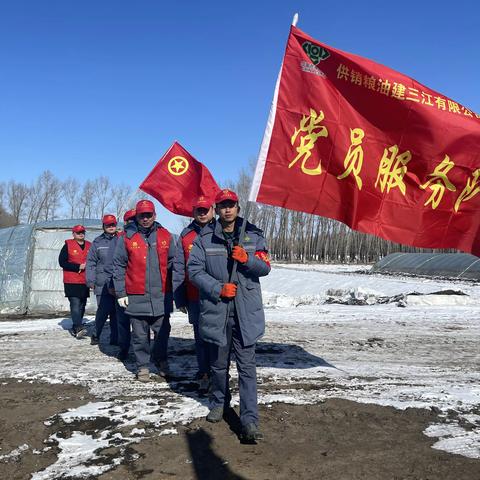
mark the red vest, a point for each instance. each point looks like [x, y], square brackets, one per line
[187, 242]
[137, 250]
[76, 255]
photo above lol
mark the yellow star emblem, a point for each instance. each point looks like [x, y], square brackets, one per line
[177, 165]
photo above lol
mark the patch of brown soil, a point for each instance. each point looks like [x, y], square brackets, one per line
[336, 440]
[24, 407]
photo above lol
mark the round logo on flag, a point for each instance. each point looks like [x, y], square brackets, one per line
[316, 53]
[177, 165]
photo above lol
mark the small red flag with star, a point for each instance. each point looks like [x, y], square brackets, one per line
[178, 179]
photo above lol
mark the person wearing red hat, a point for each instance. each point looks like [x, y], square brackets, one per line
[185, 294]
[72, 259]
[142, 279]
[231, 310]
[123, 322]
[98, 281]
[129, 216]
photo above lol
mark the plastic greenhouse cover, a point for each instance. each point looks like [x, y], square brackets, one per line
[30, 277]
[449, 265]
[46, 286]
[15, 245]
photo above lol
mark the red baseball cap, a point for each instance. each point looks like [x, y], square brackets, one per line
[108, 219]
[202, 202]
[129, 214]
[226, 194]
[78, 229]
[145, 206]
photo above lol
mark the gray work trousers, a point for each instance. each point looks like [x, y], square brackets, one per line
[247, 374]
[141, 340]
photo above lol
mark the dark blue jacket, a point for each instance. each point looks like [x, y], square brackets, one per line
[97, 260]
[208, 270]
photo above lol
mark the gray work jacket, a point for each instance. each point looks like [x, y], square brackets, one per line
[208, 270]
[97, 260]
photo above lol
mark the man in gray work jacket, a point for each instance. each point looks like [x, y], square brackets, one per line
[231, 310]
[142, 279]
[97, 279]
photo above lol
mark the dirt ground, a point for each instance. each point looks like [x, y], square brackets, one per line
[337, 440]
[24, 407]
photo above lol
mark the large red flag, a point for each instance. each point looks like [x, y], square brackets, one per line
[178, 179]
[353, 140]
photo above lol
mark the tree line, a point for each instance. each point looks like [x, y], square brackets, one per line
[49, 198]
[291, 236]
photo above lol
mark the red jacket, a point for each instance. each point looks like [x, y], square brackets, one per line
[137, 251]
[76, 255]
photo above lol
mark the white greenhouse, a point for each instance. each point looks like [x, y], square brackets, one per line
[31, 280]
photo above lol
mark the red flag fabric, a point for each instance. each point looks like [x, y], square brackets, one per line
[178, 180]
[353, 140]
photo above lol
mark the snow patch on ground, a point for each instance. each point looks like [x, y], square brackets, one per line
[14, 454]
[75, 454]
[456, 439]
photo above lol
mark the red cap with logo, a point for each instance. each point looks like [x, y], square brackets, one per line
[78, 229]
[226, 194]
[202, 202]
[129, 214]
[145, 206]
[109, 219]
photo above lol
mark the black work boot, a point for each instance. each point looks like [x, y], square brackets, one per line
[251, 433]
[215, 415]
[93, 339]
[81, 333]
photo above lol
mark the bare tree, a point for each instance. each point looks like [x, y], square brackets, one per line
[71, 194]
[120, 196]
[86, 201]
[17, 195]
[34, 203]
[44, 198]
[103, 195]
[3, 191]
[52, 194]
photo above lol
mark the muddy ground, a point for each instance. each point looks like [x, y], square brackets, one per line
[337, 439]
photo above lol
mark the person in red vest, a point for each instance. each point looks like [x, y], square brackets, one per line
[123, 322]
[185, 294]
[142, 280]
[72, 259]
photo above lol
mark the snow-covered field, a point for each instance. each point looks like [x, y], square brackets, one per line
[332, 331]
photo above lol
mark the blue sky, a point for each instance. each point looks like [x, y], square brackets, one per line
[104, 87]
